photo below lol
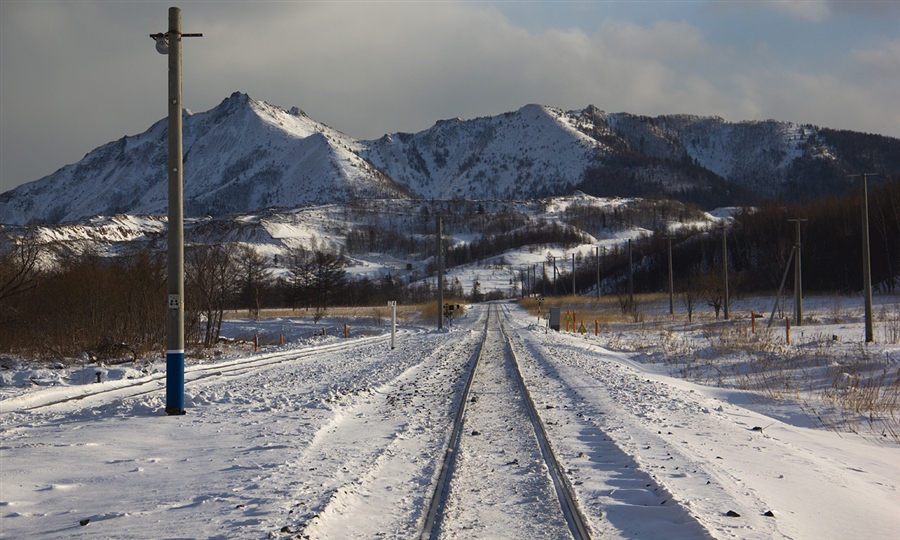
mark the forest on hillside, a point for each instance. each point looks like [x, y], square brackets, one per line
[110, 304]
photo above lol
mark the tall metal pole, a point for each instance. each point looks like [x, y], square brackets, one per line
[543, 278]
[630, 276]
[573, 274]
[597, 248]
[554, 274]
[725, 268]
[393, 305]
[867, 269]
[798, 278]
[671, 281]
[170, 44]
[175, 320]
[440, 265]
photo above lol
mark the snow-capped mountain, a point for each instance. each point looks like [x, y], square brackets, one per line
[242, 155]
[246, 155]
[530, 153]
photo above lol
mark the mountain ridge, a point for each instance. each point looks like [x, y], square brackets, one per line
[245, 155]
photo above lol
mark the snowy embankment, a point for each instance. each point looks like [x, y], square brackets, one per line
[342, 439]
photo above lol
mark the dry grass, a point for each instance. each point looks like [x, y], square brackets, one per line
[840, 385]
[606, 310]
[377, 314]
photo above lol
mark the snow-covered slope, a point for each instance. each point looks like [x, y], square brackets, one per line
[756, 155]
[242, 155]
[529, 153]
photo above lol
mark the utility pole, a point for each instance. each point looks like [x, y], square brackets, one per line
[440, 266]
[867, 268]
[798, 280]
[630, 276]
[543, 279]
[573, 274]
[725, 268]
[553, 259]
[597, 248]
[393, 305]
[671, 280]
[170, 44]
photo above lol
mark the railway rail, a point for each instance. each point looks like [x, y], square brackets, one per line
[495, 376]
[193, 374]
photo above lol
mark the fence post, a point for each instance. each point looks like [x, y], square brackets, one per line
[281, 339]
[596, 327]
[787, 329]
[753, 322]
[255, 342]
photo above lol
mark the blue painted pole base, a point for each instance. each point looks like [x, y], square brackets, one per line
[175, 383]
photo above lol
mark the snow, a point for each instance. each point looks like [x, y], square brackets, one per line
[341, 438]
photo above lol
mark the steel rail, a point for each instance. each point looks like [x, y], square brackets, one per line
[443, 482]
[568, 505]
[200, 372]
[567, 502]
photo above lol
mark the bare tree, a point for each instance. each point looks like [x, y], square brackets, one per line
[254, 278]
[329, 278]
[713, 290]
[212, 275]
[301, 269]
[19, 257]
[690, 291]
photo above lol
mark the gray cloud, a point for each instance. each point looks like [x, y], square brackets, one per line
[80, 74]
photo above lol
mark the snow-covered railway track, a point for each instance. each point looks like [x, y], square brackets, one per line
[500, 477]
[155, 382]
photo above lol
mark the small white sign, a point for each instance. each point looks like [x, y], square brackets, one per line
[174, 301]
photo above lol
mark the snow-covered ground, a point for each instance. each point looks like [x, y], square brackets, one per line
[327, 437]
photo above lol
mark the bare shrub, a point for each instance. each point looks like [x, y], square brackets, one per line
[890, 321]
[109, 307]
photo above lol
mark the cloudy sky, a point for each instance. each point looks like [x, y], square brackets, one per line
[78, 74]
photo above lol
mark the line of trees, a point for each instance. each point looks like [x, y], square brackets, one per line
[110, 307]
[107, 305]
[84, 303]
[759, 244]
[490, 245]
